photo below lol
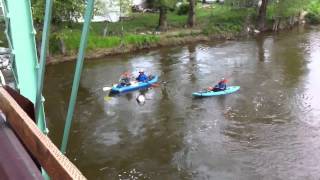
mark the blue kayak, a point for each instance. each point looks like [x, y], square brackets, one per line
[229, 90]
[134, 86]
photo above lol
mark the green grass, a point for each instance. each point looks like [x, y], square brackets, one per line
[95, 41]
[218, 19]
[224, 19]
[139, 22]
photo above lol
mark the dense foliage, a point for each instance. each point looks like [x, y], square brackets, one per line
[183, 9]
[63, 10]
[314, 12]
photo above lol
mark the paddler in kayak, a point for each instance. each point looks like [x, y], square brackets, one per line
[142, 76]
[221, 86]
[125, 80]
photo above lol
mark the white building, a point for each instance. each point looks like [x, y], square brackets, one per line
[137, 2]
[110, 9]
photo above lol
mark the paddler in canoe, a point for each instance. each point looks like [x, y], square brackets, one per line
[221, 86]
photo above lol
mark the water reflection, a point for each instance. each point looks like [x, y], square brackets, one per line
[260, 45]
[309, 98]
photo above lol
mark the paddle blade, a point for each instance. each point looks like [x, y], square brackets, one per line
[106, 88]
[155, 85]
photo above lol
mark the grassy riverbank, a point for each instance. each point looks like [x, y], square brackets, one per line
[205, 16]
[139, 32]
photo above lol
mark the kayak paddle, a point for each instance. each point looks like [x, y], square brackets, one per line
[155, 85]
[106, 88]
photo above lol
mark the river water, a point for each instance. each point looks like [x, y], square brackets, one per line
[270, 129]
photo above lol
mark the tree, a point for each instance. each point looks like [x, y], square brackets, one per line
[125, 9]
[262, 15]
[163, 6]
[163, 24]
[192, 13]
[63, 10]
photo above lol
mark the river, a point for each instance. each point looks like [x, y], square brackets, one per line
[270, 129]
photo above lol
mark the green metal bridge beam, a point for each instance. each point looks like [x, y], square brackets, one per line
[77, 75]
[21, 35]
[39, 109]
[43, 55]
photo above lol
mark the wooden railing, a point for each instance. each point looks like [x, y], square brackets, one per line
[39, 145]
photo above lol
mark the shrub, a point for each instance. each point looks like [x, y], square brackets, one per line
[183, 9]
[313, 18]
[313, 15]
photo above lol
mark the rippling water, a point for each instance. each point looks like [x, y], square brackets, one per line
[270, 129]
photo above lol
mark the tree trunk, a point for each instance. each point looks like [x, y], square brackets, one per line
[105, 30]
[276, 24]
[63, 48]
[192, 13]
[163, 19]
[262, 15]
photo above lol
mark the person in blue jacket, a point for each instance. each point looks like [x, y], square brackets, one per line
[221, 86]
[142, 76]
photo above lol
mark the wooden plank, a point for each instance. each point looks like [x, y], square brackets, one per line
[15, 162]
[51, 159]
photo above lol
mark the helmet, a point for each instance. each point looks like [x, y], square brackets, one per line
[141, 71]
[223, 80]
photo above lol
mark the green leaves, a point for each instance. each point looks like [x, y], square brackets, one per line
[63, 10]
[313, 9]
[286, 8]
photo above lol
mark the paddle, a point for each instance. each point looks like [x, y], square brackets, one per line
[106, 88]
[158, 84]
[155, 85]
